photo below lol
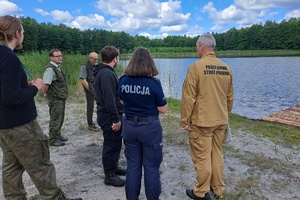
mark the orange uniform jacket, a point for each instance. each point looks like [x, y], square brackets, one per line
[207, 93]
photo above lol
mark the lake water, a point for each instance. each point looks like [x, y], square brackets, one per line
[262, 85]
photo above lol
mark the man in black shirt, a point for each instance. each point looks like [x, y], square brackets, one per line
[109, 111]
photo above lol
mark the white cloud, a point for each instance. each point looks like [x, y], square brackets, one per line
[145, 34]
[292, 14]
[174, 29]
[110, 9]
[236, 15]
[57, 15]
[134, 16]
[153, 36]
[120, 8]
[61, 15]
[9, 8]
[217, 27]
[245, 13]
[85, 22]
[171, 13]
[129, 16]
[195, 31]
[266, 4]
[41, 12]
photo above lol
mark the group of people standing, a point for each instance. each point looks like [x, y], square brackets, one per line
[128, 109]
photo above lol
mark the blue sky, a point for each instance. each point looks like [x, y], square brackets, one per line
[154, 18]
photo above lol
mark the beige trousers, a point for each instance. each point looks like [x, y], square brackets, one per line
[207, 156]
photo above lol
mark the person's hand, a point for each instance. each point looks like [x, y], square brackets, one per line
[116, 126]
[38, 83]
[185, 128]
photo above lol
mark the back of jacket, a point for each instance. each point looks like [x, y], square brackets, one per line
[207, 94]
[106, 91]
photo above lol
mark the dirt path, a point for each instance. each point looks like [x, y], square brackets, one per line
[255, 168]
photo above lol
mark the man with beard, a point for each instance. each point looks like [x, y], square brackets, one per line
[109, 112]
[24, 145]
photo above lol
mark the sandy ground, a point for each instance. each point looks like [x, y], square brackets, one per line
[255, 168]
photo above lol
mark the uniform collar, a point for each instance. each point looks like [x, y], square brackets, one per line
[209, 54]
[53, 63]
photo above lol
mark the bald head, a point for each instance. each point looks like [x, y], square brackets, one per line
[93, 58]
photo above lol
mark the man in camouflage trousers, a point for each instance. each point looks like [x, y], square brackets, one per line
[56, 91]
[24, 145]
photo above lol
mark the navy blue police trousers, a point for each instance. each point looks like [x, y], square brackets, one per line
[143, 148]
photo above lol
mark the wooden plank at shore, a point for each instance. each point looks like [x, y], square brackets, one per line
[289, 116]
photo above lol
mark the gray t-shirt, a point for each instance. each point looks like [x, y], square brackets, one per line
[83, 73]
[49, 74]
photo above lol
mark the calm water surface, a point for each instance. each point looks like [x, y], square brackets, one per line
[262, 85]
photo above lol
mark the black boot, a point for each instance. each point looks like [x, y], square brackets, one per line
[120, 171]
[112, 179]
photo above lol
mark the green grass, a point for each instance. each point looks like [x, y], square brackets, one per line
[35, 63]
[174, 104]
[257, 53]
[224, 54]
[284, 134]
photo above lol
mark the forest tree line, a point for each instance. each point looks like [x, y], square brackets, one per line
[270, 36]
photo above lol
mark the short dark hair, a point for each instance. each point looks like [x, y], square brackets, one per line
[108, 53]
[141, 64]
[52, 51]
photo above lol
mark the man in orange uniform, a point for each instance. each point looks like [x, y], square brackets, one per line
[207, 99]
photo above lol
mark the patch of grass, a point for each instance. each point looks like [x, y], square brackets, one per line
[81, 126]
[287, 135]
[174, 104]
[171, 130]
[249, 185]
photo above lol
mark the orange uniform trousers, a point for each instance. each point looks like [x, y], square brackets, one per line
[207, 156]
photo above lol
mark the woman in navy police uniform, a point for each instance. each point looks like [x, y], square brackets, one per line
[143, 99]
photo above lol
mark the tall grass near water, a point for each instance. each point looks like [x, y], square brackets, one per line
[35, 63]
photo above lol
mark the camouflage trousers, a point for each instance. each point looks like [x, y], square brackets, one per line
[57, 116]
[25, 147]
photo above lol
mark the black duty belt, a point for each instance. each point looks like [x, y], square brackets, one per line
[142, 119]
